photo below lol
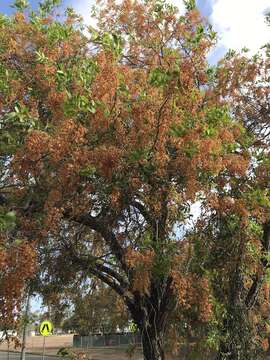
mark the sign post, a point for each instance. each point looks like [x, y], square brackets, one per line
[43, 351]
[45, 329]
[133, 328]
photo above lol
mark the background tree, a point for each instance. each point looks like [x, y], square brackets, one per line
[239, 229]
[100, 310]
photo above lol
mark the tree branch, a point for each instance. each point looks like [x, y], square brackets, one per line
[143, 212]
[103, 228]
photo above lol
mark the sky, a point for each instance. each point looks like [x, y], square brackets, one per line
[239, 23]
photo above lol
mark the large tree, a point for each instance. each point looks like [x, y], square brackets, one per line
[129, 132]
[242, 81]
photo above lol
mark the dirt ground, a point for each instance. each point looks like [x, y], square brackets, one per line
[53, 343]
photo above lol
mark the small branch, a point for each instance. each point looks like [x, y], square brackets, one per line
[144, 213]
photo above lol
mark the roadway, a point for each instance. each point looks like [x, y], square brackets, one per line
[13, 355]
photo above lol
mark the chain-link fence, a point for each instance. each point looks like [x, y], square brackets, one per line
[97, 340]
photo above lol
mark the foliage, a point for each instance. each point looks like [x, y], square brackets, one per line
[98, 311]
[120, 132]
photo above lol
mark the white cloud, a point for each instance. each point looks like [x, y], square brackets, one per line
[241, 23]
[179, 4]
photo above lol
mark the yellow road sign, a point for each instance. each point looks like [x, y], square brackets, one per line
[132, 327]
[45, 328]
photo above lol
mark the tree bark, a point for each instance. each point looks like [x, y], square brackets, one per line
[151, 320]
[153, 345]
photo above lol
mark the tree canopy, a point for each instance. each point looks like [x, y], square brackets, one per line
[120, 131]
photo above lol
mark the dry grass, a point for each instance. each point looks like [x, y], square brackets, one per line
[53, 343]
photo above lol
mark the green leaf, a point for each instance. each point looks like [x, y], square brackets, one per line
[41, 57]
[20, 5]
[11, 216]
[88, 171]
[64, 352]
[18, 242]
[87, 72]
[199, 34]
[216, 116]
[230, 53]
[69, 11]
[190, 4]
[79, 103]
[112, 42]
[138, 155]
[191, 150]
[267, 276]
[57, 32]
[211, 33]
[61, 73]
[209, 131]
[245, 49]
[182, 128]
[7, 220]
[4, 20]
[177, 130]
[158, 77]
[211, 73]
[47, 6]
[255, 229]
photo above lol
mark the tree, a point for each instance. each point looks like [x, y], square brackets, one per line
[239, 230]
[128, 133]
[100, 310]
[243, 83]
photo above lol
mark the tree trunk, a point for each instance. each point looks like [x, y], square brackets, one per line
[153, 345]
[150, 313]
[151, 324]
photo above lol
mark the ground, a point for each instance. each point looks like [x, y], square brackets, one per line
[54, 343]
